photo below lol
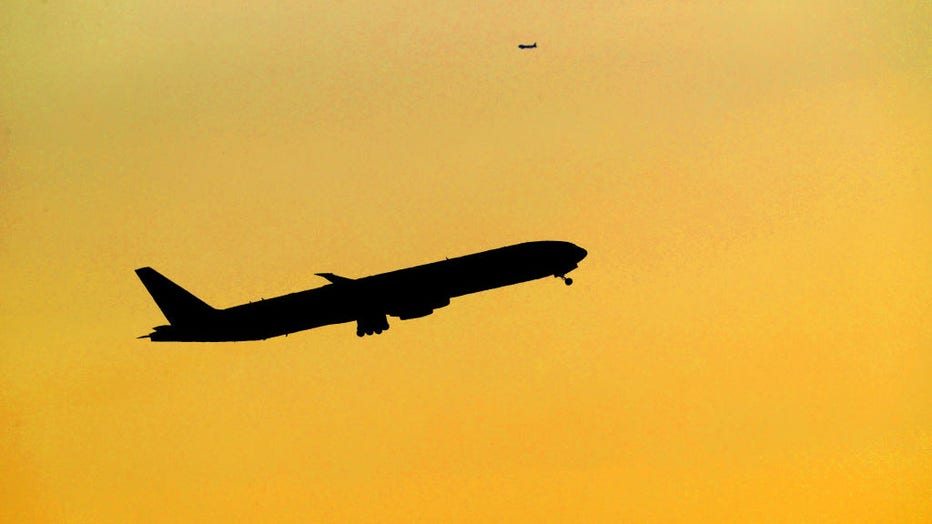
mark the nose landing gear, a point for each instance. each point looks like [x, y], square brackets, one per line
[566, 280]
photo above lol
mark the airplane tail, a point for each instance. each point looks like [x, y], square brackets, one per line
[178, 305]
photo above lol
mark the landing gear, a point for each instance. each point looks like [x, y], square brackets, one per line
[371, 326]
[566, 280]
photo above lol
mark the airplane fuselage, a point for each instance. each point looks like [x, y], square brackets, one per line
[406, 293]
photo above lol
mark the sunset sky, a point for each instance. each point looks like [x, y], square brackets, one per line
[749, 339]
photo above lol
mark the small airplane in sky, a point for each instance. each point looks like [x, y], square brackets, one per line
[528, 46]
[406, 293]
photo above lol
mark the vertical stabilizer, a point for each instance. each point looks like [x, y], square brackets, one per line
[178, 305]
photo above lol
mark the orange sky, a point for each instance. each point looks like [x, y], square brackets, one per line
[747, 341]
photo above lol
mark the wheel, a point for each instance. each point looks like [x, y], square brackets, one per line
[568, 281]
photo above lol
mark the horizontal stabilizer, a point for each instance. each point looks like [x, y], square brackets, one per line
[178, 305]
[334, 279]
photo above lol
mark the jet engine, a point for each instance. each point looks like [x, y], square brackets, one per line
[418, 309]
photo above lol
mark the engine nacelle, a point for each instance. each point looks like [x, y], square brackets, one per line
[414, 313]
[418, 309]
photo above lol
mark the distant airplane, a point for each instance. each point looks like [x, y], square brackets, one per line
[528, 46]
[406, 293]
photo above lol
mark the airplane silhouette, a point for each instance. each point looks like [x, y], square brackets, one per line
[406, 293]
[528, 46]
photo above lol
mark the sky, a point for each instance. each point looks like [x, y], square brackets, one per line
[748, 340]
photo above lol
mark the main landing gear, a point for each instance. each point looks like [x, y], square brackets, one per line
[566, 280]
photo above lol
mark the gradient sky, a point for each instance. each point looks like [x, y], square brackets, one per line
[749, 339]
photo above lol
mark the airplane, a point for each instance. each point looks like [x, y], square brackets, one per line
[528, 46]
[408, 293]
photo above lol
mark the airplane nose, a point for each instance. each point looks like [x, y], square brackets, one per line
[580, 253]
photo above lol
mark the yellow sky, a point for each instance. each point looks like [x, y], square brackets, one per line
[748, 340]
